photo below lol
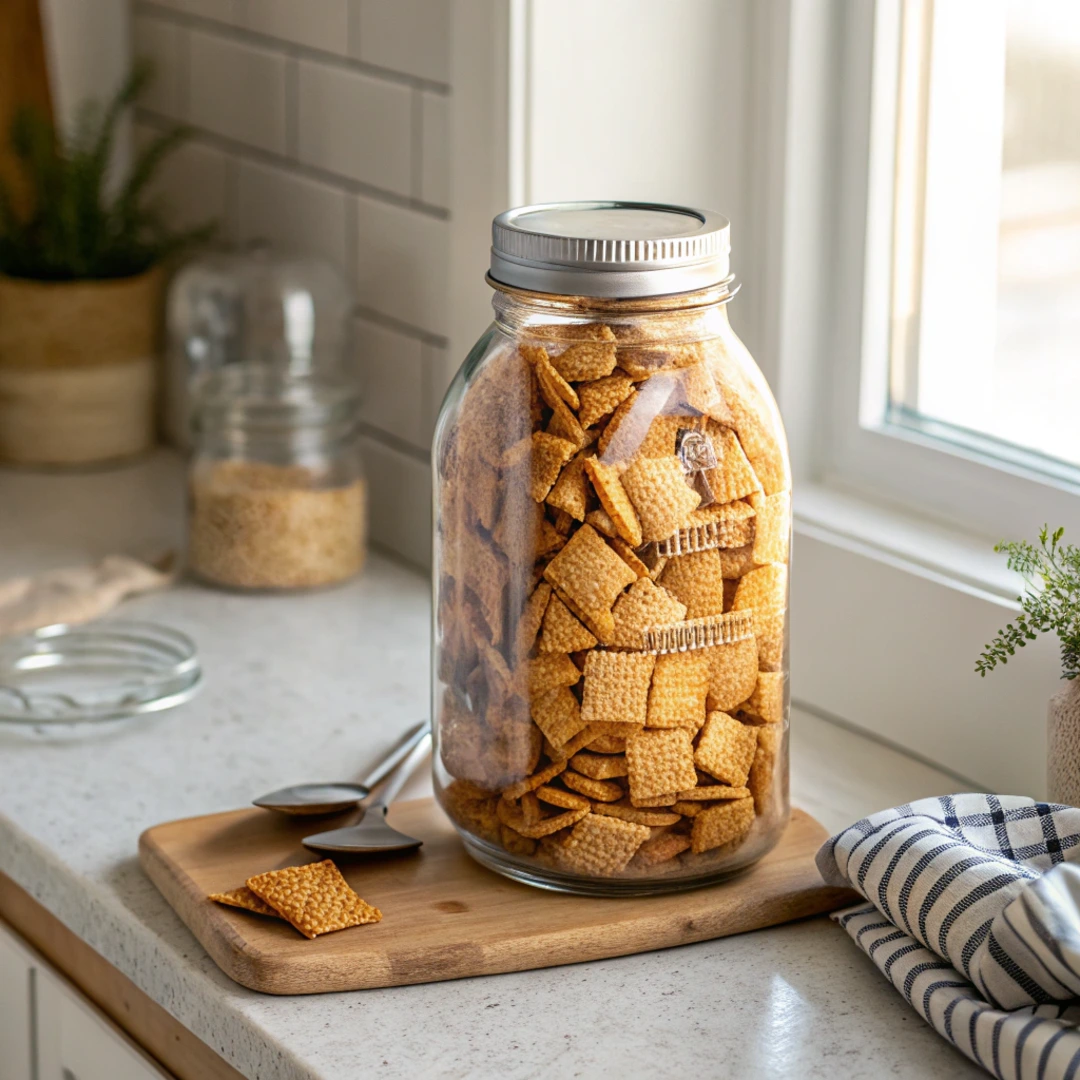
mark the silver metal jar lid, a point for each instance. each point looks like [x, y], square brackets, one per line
[610, 249]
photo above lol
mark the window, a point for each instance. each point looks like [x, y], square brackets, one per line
[962, 400]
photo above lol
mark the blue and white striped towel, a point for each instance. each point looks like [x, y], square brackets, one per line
[974, 916]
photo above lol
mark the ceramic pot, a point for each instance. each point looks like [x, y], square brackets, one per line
[1063, 745]
[78, 369]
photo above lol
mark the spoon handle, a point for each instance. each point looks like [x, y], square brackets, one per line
[397, 781]
[396, 756]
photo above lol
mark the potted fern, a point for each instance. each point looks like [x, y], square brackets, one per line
[81, 273]
[1050, 604]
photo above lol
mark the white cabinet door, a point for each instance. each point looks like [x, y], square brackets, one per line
[76, 1042]
[15, 1009]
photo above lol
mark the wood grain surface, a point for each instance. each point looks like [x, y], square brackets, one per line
[444, 916]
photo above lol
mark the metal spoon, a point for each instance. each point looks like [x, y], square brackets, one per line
[332, 798]
[372, 835]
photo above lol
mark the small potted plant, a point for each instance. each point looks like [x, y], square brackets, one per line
[81, 272]
[1051, 603]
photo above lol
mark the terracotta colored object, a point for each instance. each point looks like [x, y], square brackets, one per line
[1063, 745]
[78, 369]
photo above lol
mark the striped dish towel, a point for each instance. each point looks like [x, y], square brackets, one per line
[974, 916]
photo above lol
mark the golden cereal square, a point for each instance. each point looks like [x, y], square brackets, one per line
[737, 562]
[643, 606]
[601, 521]
[660, 494]
[733, 478]
[586, 362]
[655, 819]
[602, 396]
[629, 556]
[767, 701]
[549, 670]
[724, 823]
[773, 530]
[613, 498]
[764, 591]
[609, 744]
[602, 846]
[562, 632]
[558, 715]
[531, 618]
[564, 425]
[531, 783]
[568, 800]
[616, 689]
[588, 573]
[552, 385]
[549, 455]
[600, 790]
[661, 849]
[582, 739]
[599, 766]
[733, 674]
[513, 816]
[315, 898]
[680, 684]
[624, 431]
[711, 793]
[763, 769]
[660, 763]
[246, 899]
[725, 749]
[697, 580]
[571, 491]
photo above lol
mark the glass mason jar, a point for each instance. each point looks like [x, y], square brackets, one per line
[276, 497]
[612, 501]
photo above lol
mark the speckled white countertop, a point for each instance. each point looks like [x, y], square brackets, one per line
[309, 686]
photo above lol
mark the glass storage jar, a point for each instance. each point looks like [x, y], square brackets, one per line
[612, 501]
[276, 496]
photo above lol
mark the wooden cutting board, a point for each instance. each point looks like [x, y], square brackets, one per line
[444, 916]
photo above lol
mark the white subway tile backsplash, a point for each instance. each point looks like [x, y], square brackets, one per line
[237, 90]
[401, 263]
[391, 369]
[411, 36]
[164, 44]
[355, 126]
[192, 187]
[318, 24]
[292, 211]
[435, 149]
[399, 490]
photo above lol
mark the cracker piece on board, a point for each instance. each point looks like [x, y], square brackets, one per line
[725, 749]
[658, 490]
[314, 897]
[244, 898]
[724, 823]
[616, 689]
[659, 763]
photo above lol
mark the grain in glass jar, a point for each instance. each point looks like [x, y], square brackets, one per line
[277, 497]
[612, 537]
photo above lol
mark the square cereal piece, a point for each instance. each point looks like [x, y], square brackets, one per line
[602, 846]
[599, 766]
[660, 494]
[725, 749]
[564, 425]
[571, 491]
[549, 670]
[602, 396]
[661, 849]
[660, 763]
[624, 431]
[712, 793]
[773, 533]
[513, 816]
[687, 808]
[568, 749]
[764, 591]
[568, 800]
[732, 523]
[549, 454]
[762, 771]
[733, 478]
[591, 576]
[246, 899]
[642, 606]
[601, 522]
[733, 674]
[737, 562]
[613, 498]
[552, 384]
[531, 783]
[558, 715]
[562, 632]
[616, 689]
[669, 799]
[766, 703]
[680, 684]
[609, 744]
[600, 790]
[724, 823]
[315, 898]
[655, 819]
[586, 362]
[630, 557]
[696, 580]
[532, 616]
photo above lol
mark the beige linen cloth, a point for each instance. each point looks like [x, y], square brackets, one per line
[75, 594]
